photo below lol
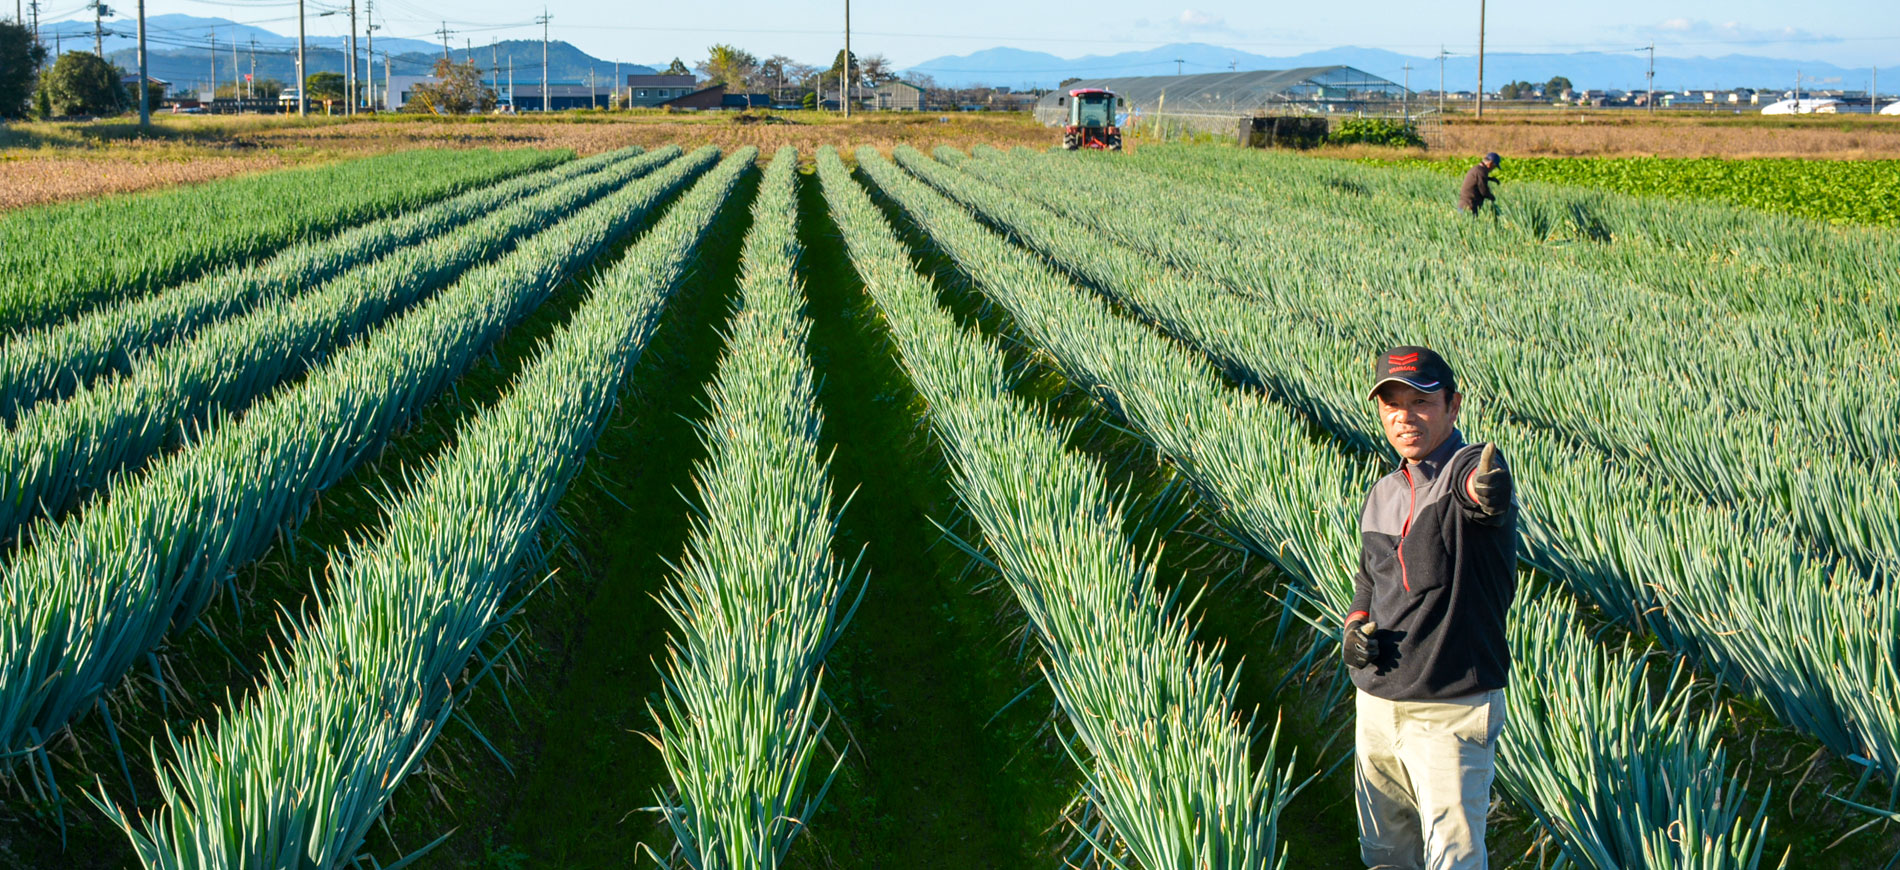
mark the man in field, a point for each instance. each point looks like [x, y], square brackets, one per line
[1425, 638]
[1477, 186]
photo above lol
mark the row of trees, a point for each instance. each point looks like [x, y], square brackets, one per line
[1556, 87]
[741, 70]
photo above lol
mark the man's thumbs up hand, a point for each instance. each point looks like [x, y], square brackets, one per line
[1490, 485]
[1361, 646]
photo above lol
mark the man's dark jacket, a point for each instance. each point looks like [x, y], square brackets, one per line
[1477, 188]
[1436, 577]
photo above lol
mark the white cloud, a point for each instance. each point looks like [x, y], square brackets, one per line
[1696, 31]
[1194, 19]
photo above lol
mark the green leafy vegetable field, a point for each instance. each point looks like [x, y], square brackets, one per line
[1838, 191]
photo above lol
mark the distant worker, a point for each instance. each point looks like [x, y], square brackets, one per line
[1477, 188]
[1425, 639]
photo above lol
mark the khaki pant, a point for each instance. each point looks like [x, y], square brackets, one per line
[1424, 780]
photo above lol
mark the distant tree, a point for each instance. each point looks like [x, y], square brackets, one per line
[1517, 91]
[319, 87]
[676, 68]
[772, 71]
[20, 59]
[803, 75]
[458, 89]
[267, 89]
[1557, 86]
[1068, 81]
[923, 80]
[837, 66]
[82, 83]
[729, 65]
[875, 70]
[42, 102]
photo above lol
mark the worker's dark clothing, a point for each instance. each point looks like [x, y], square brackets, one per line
[1477, 188]
[1436, 577]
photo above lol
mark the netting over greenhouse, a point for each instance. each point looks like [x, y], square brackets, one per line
[1321, 90]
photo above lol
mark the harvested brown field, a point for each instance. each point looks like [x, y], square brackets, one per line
[34, 180]
[589, 133]
[1625, 133]
[48, 162]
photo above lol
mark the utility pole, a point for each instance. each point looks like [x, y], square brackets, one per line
[303, 99]
[511, 82]
[844, 91]
[1480, 60]
[1649, 96]
[444, 33]
[214, 66]
[1406, 97]
[369, 52]
[1177, 66]
[253, 88]
[546, 103]
[145, 96]
[1797, 92]
[616, 98]
[99, 16]
[99, 13]
[591, 102]
[349, 69]
[237, 78]
[1442, 54]
[35, 6]
[385, 78]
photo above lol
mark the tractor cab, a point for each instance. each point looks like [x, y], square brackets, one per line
[1092, 120]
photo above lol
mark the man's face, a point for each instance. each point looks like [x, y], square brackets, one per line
[1416, 422]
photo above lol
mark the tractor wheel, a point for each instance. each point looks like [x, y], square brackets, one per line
[1114, 143]
[1068, 142]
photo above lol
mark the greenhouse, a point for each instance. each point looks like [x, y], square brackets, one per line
[1217, 98]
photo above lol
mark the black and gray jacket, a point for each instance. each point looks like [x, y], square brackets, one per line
[1436, 578]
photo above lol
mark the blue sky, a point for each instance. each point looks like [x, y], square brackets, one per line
[1844, 32]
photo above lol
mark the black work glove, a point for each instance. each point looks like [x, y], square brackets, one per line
[1491, 484]
[1361, 647]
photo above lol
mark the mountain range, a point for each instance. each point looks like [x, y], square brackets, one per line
[1019, 68]
[179, 45]
[179, 49]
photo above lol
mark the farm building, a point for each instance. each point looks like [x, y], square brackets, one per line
[718, 97]
[652, 90]
[888, 96]
[1803, 106]
[1213, 100]
[563, 95]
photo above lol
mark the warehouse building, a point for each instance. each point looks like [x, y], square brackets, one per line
[1214, 101]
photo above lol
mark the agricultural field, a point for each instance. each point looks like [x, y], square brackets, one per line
[54, 161]
[1836, 191]
[703, 504]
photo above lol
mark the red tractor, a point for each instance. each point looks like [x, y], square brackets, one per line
[1092, 120]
